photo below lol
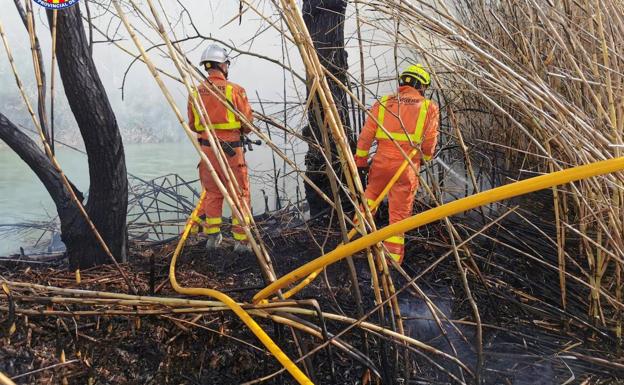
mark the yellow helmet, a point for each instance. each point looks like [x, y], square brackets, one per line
[415, 73]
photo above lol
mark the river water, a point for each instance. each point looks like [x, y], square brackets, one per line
[23, 199]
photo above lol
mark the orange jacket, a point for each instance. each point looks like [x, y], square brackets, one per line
[406, 116]
[221, 119]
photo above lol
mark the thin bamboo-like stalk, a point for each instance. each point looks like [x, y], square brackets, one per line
[179, 305]
[316, 74]
[542, 82]
[53, 77]
[563, 110]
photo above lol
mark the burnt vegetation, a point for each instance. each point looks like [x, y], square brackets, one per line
[522, 291]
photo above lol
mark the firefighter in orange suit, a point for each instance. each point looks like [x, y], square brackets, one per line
[227, 128]
[411, 121]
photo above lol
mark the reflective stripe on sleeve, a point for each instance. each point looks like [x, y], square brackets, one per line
[396, 257]
[361, 153]
[197, 219]
[400, 240]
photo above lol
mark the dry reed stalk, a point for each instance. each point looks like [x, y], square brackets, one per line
[567, 114]
[181, 306]
[37, 61]
[53, 77]
[572, 97]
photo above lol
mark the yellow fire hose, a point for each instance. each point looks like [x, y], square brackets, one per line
[305, 282]
[4, 380]
[443, 211]
[229, 302]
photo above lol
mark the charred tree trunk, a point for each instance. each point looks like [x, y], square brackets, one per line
[108, 189]
[325, 21]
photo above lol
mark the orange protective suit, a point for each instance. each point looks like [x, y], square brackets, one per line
[412, 121]
[227, 128]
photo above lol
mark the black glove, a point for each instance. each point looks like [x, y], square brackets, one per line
[363, 173]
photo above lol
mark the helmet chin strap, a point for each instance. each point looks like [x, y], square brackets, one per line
[218, 68]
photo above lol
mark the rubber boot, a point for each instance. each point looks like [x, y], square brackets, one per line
[214, 240]
[242, 248]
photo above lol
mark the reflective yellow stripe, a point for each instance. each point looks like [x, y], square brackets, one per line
[226, 126]
[214, 220]
[416, 137]
[236, 222]
[396, 257]
[370, 202]
[427, 157]
[239, 237]
[229, 91]
[231, 124]
[197, 120]
[211, 230]
[422, 117]
[197, 219]
[381, 115]
[398, 136]
[361, 153]
[396, 239]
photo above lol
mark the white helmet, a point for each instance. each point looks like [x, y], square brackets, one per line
[214, 53]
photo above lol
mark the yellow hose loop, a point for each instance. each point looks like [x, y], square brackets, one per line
[4, 380]
[353, 231]
[230, 303]
[486, 197]
[302, 284]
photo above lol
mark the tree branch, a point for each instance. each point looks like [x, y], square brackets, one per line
[28, 150]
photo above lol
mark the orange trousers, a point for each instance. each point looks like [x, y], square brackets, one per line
[400, 197]
[209, 219]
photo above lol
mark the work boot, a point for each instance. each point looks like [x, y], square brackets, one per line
[242, 248]
[214, 240]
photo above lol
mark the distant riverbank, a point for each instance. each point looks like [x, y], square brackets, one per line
[24, 200]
